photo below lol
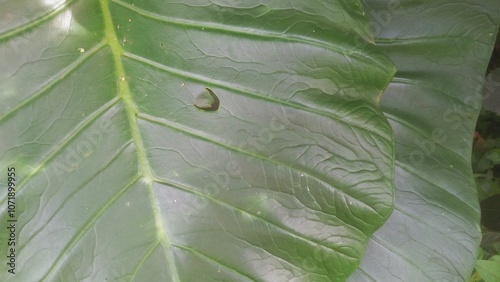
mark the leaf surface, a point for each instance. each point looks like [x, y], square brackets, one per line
[122, 178]
[441, 50]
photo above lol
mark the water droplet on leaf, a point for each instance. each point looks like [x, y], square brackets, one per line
[207, 101]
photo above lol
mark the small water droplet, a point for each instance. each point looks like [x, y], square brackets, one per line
[207, 101]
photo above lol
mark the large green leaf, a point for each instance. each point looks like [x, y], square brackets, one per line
[119, 177]
[441, 50]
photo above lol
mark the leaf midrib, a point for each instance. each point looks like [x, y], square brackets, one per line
[124, 94]
[131, 111]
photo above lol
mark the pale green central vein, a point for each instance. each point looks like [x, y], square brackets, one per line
[131, 110]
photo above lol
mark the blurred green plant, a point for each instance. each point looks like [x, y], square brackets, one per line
[486, 155]
[489, 270]
[486, 167]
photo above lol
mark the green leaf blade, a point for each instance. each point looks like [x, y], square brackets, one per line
[123, 178]
[489, 270]
[432, 104]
